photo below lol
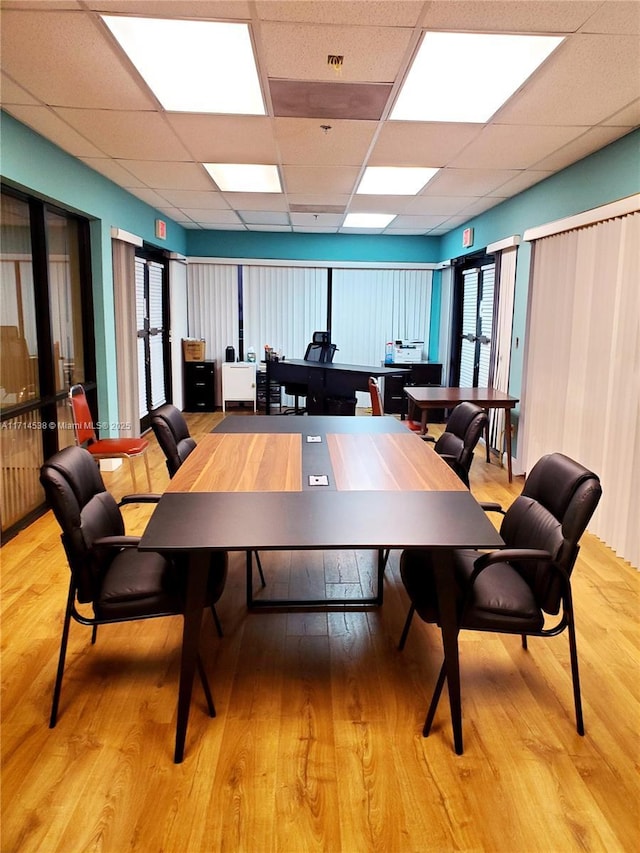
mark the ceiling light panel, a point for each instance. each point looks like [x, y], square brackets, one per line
[393, 180]
[244, 177]
[467, 77]
[193, 66]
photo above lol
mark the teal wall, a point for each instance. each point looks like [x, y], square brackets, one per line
[42, 169]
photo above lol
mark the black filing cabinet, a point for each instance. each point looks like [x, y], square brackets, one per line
[422, 373]
[275, 395]
[199, 386]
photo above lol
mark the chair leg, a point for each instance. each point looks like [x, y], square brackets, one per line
[132, 468]
[146, 465]
[434, 701]
[260, 572]
[407, 625]
[524, 642]
[205, 686]
[94, 635]
[575, 675]
[216, 621]
[53, 719]
[385, 557]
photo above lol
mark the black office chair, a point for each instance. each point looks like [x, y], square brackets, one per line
[510, 591]
[462, 432]
[172, 432]
[319, 350]
[108, 571]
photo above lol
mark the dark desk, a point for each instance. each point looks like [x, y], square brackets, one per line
[488, 398]
[244, 488]
[324, 381]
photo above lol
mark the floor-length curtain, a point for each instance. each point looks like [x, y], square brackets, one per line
[212, 295]
[581, 392]
[506, 264]
[371, 307]
[124, 294]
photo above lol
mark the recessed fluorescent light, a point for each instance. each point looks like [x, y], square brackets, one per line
[394, 180]
[368, 220]
[193, 66]
[244, 177]
[468, 76]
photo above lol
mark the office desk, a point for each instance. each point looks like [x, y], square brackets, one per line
[245, 488]
[446, 398]
[324, 381]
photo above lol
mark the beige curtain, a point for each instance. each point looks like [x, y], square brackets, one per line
[126, 335]
[581, 392]
[503, 333]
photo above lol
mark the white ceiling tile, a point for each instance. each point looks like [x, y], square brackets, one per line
[622, 17]
[319, 199]
[149, 196]
[302, 141]
[439, 205]
[418, 222]
[256, 201]
[251, 227]
[113, 170]
[580, 83]
[513, 147]
[381, 203]
[208, 200]
[481, 205]
[64, 59]
[127, 135]
[384, 13]
[45, 122]
[297, 51]
[628, 117]
[402, 143]
[203, 217]
[468, 182]
[317, 220]
[168, 175]
[12, 93]
[208, 9]
[589, 142]
[522, 182]
[174, 213]
[319, 179]
[549, 16]
[312, 229]
[226, 139]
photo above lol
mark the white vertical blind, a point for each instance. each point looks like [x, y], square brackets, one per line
[581, 393]
[212, 295]
[373, 306]
[283, 307]
[502, 341]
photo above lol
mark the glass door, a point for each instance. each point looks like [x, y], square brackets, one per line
[152, 325]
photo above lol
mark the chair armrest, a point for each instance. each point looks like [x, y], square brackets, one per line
[428, 438]
[140, 499]
[117, 542]
[487, 506]
[507, 555]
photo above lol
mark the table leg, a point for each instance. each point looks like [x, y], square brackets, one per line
[507, 428]
[423, 421]
[249, 579]
[486, 437]
[445, 585]
[198, 571]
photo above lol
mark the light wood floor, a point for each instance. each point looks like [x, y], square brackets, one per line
[317, 744]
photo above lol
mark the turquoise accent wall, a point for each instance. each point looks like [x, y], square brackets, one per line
[42, 169]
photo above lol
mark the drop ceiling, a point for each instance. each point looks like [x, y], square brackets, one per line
[65, 76]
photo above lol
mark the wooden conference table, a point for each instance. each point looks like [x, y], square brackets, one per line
[434, 397]
[248, 487]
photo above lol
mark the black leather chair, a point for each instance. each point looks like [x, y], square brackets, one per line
[108, 572]
[511, 590]
[172, 432]
[462, 432]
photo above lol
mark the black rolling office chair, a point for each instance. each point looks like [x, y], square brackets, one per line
[108, 572]
[172, 432]
[510, 591]
[319, 350]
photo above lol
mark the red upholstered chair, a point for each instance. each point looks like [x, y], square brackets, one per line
[104, 448]
[377, 408]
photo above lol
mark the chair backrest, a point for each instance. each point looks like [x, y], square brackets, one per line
[320, 349]
[84, 510]
[376, 397]
[461, 435]
[557, 501]
[82, 420]
[172, 432]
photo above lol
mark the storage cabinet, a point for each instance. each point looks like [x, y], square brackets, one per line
[199, 386]
[275, 393]
[422, 373]
[238, 383]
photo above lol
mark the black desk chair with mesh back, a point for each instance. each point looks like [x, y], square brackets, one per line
[320, 350]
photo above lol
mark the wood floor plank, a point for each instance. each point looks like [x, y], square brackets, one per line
[317, 743]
